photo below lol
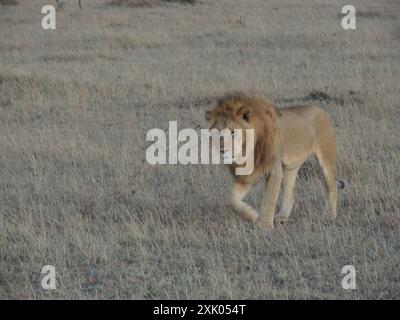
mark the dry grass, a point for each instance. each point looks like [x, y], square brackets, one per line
[76, 191]
[147, 3]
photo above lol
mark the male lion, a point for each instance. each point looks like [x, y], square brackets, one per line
[283, 140]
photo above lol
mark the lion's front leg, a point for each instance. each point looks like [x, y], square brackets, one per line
[239, 191]
[273, 185]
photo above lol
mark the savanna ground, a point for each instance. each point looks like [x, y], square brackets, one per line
[76, 191]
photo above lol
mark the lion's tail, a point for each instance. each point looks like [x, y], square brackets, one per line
[340, 184]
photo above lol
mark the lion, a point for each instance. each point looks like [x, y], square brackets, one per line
[283, 140]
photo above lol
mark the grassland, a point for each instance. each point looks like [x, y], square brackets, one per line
[76, 191]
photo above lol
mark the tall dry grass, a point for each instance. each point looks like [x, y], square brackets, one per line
[76, 191]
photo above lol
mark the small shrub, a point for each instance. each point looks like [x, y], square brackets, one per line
[8, 2]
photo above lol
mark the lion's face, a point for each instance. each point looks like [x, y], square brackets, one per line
[239, 111]
[231, 118]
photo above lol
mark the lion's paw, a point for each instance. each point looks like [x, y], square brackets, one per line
[250, 216]
[266, 225]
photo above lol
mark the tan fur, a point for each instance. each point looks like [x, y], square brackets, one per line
[284, 139]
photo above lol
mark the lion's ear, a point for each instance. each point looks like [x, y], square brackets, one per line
[273, 114]
[269, 113]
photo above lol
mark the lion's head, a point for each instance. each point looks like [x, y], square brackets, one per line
[240, 111]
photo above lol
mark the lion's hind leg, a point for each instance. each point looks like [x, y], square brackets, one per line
[329, 170]
[326, 154]
[239, 191]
